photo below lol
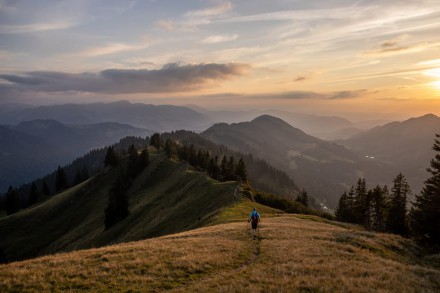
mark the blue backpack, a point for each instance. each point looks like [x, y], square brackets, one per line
[255, 218]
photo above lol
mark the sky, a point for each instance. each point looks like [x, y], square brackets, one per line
[356, 59]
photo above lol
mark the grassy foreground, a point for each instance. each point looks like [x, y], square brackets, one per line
[292, 253]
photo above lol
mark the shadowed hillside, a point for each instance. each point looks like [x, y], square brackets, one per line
[324, 169]
[405, 146]
[291, 254]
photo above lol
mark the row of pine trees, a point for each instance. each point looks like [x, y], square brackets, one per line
[377, 209]
[386, 210]
[117, 208]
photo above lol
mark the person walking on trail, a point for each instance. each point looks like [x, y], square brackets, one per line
[254, 218]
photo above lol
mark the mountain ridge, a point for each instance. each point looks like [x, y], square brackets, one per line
[308, 160]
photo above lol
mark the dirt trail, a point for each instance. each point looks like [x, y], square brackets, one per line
[256, 251]
[254, 256]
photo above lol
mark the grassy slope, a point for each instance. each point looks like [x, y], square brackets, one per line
[292, 253]
[165, 198]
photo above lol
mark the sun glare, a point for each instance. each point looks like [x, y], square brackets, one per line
[434, 73]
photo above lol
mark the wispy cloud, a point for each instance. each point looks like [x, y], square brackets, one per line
[35, 27]
[214, 39]
[347, 94]
[429, 62]
[170, 78]
[300, 78]
[165, 24]
[395, 46]
[111, 49]
[212, 11]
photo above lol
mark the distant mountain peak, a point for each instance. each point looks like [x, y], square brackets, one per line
[40, 123]
[428, 116]
[269, 119]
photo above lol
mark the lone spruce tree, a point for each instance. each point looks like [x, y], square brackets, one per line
[396, 221]
[342, 211]
[111, 159]
[61, 182]
[425, 213]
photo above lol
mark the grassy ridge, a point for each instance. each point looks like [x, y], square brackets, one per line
[166, 198]
[291, 254]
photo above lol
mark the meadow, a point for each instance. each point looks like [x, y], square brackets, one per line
[293, 253]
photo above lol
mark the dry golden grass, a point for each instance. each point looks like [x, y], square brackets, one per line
[291, 255]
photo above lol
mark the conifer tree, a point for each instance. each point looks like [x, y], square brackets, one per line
[230, 169]
[378, 197]
[425, 213]
[144, 158]
[78, 177]
[45, 189]
[303, 198]
[111, 159]
[396, 217]
[33, 195]
[133, 167]
[156, 141]
[12, 201]
[361, 204]
[117, 208]
[224, 168]
[170, 149]
[241, 171]
[342, 211]
[192, 156]
[84, 173]
[61, 180]
[213, 168]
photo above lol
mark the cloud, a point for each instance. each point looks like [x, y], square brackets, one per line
[170, 78]
[164, 24]
[343, 95]
[35, 27]
[394, 46]
[430, 62]
[214, 39]
[213, 11]
[300, 78]
[110, 49]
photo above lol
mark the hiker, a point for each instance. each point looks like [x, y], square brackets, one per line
[254, 218]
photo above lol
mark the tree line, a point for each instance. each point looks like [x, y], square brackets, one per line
[385, 210]
[138, 160]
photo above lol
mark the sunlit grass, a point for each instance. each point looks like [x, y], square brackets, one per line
[295, 254]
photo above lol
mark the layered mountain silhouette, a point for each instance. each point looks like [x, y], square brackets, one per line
[24, 157]
[158, 118]
[33, 148]
[406, 146]
[323, 168]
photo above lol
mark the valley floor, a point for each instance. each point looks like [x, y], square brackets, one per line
[292, 253]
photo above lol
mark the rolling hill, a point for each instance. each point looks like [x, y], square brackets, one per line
[323, 168]
[166, 198]
[406, 146]
[33, 148]
[291, 254]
